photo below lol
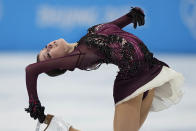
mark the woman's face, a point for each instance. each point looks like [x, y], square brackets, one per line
[54, 49]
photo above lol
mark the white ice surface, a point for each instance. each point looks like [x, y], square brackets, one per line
[84, 98]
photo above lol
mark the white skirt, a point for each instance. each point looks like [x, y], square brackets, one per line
[167, 89]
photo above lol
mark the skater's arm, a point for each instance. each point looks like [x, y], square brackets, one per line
[135, 15]
[68, 62]
[80, 58]
[122, 21]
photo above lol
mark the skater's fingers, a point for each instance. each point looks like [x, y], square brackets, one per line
[135, 24]
[27, 110]
[143, 20]
[140, 20]
[35, 116]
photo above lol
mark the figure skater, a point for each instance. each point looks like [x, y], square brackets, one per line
[143, 83]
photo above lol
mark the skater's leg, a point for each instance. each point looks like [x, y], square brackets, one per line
[145, 106]
[127, 115]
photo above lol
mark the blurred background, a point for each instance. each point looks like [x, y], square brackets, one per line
[27, 26]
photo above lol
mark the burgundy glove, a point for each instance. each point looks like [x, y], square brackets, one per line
[36, 111]
[138, 16]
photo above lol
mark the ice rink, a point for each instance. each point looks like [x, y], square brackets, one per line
[84, 98]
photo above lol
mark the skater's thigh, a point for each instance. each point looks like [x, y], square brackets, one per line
[127, 115]
[145, 106]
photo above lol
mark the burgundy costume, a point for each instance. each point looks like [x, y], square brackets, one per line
[104, 43]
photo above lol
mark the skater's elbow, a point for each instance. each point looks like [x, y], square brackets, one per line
[29, 69]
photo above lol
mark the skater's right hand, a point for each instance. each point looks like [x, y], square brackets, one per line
[36, 111]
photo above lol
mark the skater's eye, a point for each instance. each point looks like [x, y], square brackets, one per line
[49, 55]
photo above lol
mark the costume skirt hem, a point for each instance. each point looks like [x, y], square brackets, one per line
[168, 89]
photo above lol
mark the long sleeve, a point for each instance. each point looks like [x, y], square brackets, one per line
[78, 58]
[104, 27]
[122, 21]
[68, 62]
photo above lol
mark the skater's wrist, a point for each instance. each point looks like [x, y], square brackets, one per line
[35, 102]
[36, 111]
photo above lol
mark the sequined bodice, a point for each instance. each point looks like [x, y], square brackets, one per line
[128, 55]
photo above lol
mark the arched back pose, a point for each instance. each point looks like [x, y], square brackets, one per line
[143, 83]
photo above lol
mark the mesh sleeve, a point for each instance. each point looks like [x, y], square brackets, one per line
[80, 58]
[122, 21]
[68, 62]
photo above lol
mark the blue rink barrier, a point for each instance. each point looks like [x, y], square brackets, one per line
[29, 25]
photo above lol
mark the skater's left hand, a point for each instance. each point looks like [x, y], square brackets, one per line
[36, 111]
[138, 16]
